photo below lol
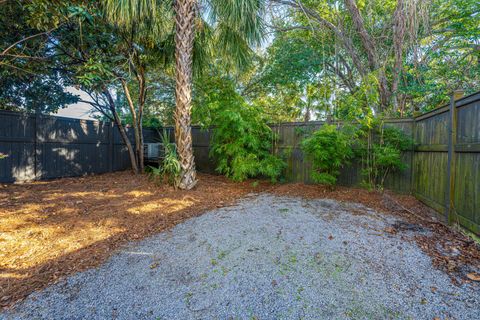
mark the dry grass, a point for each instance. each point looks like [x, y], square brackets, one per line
[51, 229]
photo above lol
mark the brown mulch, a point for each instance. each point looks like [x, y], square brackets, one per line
[52, 229]
[450, 250]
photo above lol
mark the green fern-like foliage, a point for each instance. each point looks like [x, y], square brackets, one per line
[170, 165]
[329, 149]
[242, 141]
[380, 150]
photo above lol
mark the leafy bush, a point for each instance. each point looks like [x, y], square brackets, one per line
[242, 141]
[170, 168]
[329, 149]
[380, 150]
[242, 144]
[377, 147]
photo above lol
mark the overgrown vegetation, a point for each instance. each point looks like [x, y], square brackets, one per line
[329, 148]
[378, 148]
[169, 168]
[242, 141]
[328, 60]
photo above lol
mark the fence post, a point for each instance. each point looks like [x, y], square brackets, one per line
[452, 140]
[36, 152]
[111, 146]
[414, 142]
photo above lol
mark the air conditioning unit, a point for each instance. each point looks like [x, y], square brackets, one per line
[153, 151]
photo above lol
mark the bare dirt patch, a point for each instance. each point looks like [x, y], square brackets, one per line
[55, 228]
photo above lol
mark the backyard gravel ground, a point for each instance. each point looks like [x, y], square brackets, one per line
[267, 257]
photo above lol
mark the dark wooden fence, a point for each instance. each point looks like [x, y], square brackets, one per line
[46, 147]
[447, 161]
[443, 167]
[299, 169]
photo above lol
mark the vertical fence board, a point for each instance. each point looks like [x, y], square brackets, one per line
[17, 140]
[450, 183]
[466, 193]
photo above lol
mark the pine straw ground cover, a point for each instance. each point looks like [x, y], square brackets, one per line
[51, 229]
[55, 228]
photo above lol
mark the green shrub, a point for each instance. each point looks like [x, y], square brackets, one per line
[241, 141]
[242, 144]
[169, 168]
[329, 149]
[380, 151]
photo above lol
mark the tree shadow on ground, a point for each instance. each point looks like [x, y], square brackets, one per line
[52, 229]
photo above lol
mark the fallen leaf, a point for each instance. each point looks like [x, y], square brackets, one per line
[473, 276]
[390, 230]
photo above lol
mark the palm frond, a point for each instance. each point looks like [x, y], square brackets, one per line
[244, 16]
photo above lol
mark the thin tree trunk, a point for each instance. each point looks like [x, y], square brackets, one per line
[306, 117]
[136, 131]
[122, 131]
[384, 91]
[365, 38]
[184, 37]
[372, 56]
[399, 27]
[137, 119]
[141, 103]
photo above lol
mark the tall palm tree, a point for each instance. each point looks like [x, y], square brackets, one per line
[184, 39]
[235, 26]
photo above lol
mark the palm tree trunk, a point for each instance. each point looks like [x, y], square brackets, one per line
[184, 37]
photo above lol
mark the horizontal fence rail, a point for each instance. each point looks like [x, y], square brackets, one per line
[443, 168]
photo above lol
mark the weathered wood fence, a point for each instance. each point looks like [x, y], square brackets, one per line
[447, 161]
[443, 167]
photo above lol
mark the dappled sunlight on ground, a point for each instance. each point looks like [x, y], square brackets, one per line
[52, 229]
[138, 193]
[166, 205]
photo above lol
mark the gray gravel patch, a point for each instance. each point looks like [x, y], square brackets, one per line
[267, 257]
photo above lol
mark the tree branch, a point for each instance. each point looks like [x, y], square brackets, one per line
[347, 42]
[365, 38]
[25, 39]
